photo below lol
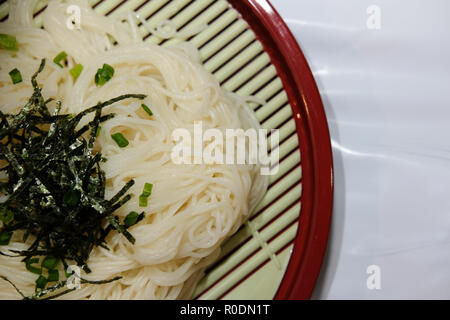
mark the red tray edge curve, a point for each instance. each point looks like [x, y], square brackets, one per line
[315, 145]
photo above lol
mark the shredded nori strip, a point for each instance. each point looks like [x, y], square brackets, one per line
[55, 186]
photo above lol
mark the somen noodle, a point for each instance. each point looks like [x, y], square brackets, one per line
[192, 208]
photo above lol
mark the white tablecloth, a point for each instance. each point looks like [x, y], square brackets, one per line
[386, 95]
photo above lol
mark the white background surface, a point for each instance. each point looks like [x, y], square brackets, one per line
[386, 95]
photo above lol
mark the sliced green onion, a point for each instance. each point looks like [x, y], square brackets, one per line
[53, 275]
[71, 198]
[15, 75]
[143, 198]
[120, 140]
[147, 109]
[143, 201]
[132, 218]
[6, 216]
[76, 71]
[104, 74]
[8, 42]
[97, 133]
[60, 57]
[28, 265]
[41, 282]
[108, 69]
[5, 237]
[147, 190]
[50, 263]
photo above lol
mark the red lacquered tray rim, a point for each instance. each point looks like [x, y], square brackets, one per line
[312, 130]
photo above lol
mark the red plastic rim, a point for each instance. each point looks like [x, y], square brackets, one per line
[314, 139]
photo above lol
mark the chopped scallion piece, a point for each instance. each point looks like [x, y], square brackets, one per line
[143, 201]
[28, 265]
[147, 109]
[120, 140]
[5, 237]
[76, 71]
[8, 42]
[147, 190]
[60, 57]
[15, 75]
[50, 263]
[97, 133]
[143, 198]
[53, 275]
[132, 218]
[104, 74]
[41, 282]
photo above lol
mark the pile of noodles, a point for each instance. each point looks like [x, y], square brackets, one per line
[193, 208]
